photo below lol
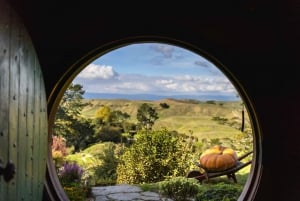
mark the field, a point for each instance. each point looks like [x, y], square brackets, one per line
[184, 116]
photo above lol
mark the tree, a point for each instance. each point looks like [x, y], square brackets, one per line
[118, 117]
[164, 105]
[82, 134]
[68, 122]
[146, 115]
[103, 115]
[109, 134]
[71, 103]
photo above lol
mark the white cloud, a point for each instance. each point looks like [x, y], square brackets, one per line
[166, 50]
[94, 71]
[186, 84]
[164, 81]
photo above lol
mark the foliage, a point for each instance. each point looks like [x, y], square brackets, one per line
[109, 125]
[219, 187]
[82, 135]
[71, 103]
[211, 102]
[58, 149]
[88, 162]
[103, 115]
[153, 187]
[220, 120]
[117, 118]
[154, 156]
[109, 134]
[69, 173]
[182, 115]
[106, 172]
[69, 108]
[146, 115]
[164, 105]
[59, 144]
[76, 192]
[220, 192]
[180, 188]
[99, 162]
[243, 142]
[68, 122]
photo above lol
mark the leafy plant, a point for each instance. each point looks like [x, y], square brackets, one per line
[76, 192]
[106, 172]
[69, 173]
[110, 134]
[220, 192]
[180, 188]
[154, 156]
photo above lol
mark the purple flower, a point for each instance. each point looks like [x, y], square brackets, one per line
[71, 172]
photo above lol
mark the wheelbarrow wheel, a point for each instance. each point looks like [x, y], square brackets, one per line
[196, 174]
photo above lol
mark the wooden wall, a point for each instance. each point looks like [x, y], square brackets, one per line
[23, 115]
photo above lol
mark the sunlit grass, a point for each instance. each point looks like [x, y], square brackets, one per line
[182, 116]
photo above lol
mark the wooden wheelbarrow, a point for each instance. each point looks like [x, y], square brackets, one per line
[204, 174]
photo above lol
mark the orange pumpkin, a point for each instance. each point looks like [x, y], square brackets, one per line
[218, 158]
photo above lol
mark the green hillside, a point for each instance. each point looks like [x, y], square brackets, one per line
[184, 116]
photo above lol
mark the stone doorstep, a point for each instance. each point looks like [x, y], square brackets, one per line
[124, 192]
[105, 190]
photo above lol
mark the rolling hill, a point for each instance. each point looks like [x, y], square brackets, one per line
[185, 116]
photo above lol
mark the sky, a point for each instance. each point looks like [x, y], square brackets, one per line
[154, 68]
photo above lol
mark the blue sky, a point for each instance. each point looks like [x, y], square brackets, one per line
[154, 68]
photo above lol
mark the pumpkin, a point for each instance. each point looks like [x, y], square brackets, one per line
[218, 158]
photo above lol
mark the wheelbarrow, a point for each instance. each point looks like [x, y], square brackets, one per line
[203, 174]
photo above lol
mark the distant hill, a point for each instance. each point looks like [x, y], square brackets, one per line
[184, 116]
[154, 97]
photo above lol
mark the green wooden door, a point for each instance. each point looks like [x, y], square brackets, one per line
[23, 115]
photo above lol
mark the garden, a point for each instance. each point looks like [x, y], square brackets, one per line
[111, 149]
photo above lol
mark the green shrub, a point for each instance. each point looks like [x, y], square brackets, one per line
[154, 156]
[110, 134]
[106, 172]
[220, 192]
[76, 192]
[164, 105]
[180, 188]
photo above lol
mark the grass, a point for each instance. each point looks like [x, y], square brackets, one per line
[184, 116]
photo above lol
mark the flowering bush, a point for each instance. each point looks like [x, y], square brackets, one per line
[59, 150]
[70, 172]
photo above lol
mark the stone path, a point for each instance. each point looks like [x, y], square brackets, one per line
[124, 192]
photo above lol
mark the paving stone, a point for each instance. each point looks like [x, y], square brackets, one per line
[101, 198]
[124, 196]
[125, 192]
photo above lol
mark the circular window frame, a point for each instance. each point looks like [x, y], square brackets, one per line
[53, 187]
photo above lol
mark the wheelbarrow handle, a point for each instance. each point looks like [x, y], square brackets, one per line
[244, 156]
